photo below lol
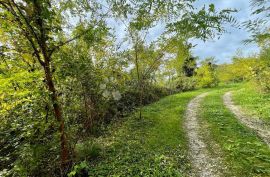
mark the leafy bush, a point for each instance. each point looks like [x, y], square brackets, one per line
[87, 150]
[261, 76]
[27, 132]
[184, 83]
[130, 100]
[80, 170]
[238, 71]
[261, 71]
[206, 76]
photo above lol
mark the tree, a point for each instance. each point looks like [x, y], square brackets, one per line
[189, 66]
[181, 20]
[36, 31]
[36, 28]
[206, 74]
[259, 24]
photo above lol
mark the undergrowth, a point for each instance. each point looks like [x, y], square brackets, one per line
[152, 146]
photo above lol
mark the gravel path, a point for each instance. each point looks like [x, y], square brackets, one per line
[256, 124]
[204, 164]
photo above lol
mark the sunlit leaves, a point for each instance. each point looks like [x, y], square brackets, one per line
[259, 25]
[86, 73]
[203, 24]
[206, 74]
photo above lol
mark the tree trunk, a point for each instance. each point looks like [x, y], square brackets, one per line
[58, 115]
[139, 79]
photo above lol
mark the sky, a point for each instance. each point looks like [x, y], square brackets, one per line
[226, 47]
[229, 43]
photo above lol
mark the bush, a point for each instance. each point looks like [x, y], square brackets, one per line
[206, 76]
[261, 76]
[87, 150]
[238, 71]
[130, 100]
[80, 170]
[184, 83]
[261, 71]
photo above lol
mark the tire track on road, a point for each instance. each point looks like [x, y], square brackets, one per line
[255, 124]
[204, 165]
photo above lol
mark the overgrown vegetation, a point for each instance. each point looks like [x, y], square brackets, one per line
[254, 68]
[70, 76]
[65, 74]
[138, 148]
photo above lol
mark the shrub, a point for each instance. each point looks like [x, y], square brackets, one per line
[261, 71]
[261, 76]
[87, 150]
[184, 83]
[130, 100]
[238, 71]
[206, 76]
[80, 170]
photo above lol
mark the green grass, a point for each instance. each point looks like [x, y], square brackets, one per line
[153, 146]
[244, 153]
[156, 145]
[253, 102]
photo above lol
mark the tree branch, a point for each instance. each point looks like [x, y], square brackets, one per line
[67, 42]
[26, 34]
[27, 22]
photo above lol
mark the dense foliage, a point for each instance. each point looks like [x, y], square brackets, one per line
[66, 74]
[254, 68]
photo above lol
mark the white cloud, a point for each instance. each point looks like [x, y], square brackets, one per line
[225, 48]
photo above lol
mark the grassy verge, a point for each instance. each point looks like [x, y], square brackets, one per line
[153, 146]
[253, 102]
[244, 153]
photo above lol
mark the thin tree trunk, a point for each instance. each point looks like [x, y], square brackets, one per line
[139, 79]
[48, 74]
[36, 33]
[58, 115]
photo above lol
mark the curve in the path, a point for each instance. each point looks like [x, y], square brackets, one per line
[255, 124]
[203, 163]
